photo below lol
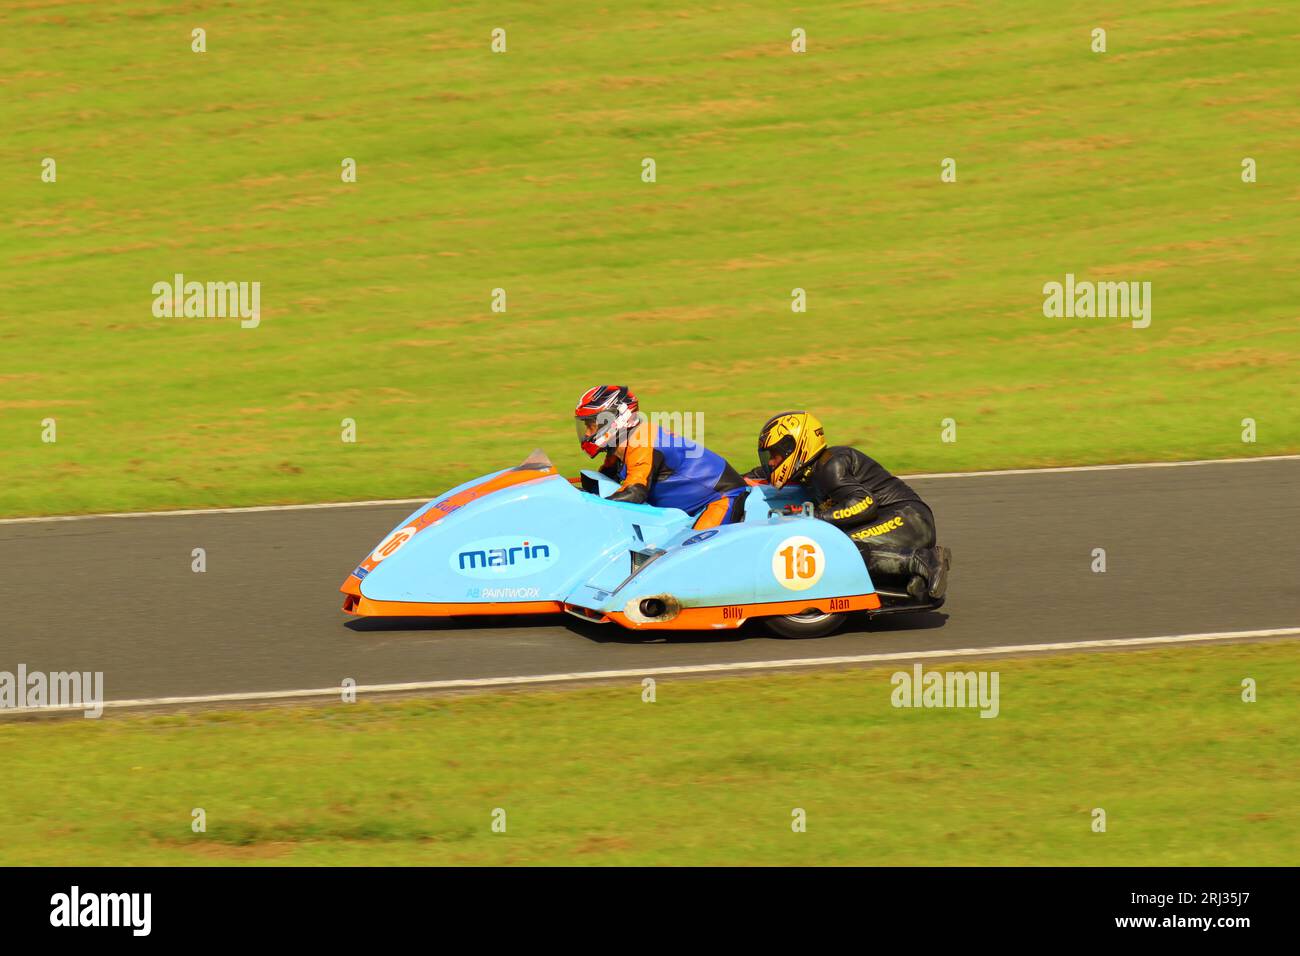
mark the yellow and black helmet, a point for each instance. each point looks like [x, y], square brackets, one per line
[798, 437]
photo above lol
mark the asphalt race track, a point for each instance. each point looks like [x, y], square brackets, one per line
[1194, 549]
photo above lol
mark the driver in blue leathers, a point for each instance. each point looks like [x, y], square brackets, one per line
[653, 465]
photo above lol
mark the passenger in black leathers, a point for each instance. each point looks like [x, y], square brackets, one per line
[892, 527]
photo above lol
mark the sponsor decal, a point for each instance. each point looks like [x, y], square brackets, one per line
[852, 510]
[883, 528]
[798, 563]
[389, 545]
[360, 572]
[508, 556]
[733, 613]
[697, 538]
[502, 594]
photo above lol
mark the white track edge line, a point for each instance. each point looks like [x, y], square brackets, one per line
[220, 511]
[1056, 470]
[1122, 466]
[473, 682]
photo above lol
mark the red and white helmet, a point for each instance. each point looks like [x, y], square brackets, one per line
[604, 416]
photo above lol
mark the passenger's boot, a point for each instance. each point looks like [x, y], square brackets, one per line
[932, 565]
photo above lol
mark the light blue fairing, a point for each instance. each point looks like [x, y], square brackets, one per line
[549, 541]
[444, 496]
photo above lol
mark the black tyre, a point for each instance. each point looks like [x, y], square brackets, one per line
[811, 623]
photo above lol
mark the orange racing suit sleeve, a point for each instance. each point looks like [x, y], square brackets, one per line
[638, 455]
[714, 514]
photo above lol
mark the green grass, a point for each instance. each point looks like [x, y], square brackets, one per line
[709, 773]
[521, 171]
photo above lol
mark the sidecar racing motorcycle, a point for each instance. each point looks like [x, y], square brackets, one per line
[526, 540]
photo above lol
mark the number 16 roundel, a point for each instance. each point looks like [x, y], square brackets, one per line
[798, 563]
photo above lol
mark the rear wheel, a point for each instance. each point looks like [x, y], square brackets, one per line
[811, 623]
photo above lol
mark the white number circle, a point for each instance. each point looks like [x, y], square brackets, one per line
[798, 563]
[393, 542]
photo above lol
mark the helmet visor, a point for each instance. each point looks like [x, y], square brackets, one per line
[778, 458]
[588, 429]
[782, 449]
[598, 432]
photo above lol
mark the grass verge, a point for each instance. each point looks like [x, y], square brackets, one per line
[709, 773]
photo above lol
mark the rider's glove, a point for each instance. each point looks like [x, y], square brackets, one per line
[636, 494]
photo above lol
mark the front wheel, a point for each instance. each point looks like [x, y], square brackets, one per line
[811, 623]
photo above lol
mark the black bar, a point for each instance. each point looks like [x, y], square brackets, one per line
[330, 905]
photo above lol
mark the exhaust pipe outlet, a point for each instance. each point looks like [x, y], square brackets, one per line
[655, 609]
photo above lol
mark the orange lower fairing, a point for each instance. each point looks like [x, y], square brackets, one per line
[734, 615]
[365, 607]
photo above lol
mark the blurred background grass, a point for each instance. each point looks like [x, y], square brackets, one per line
[522, 171]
